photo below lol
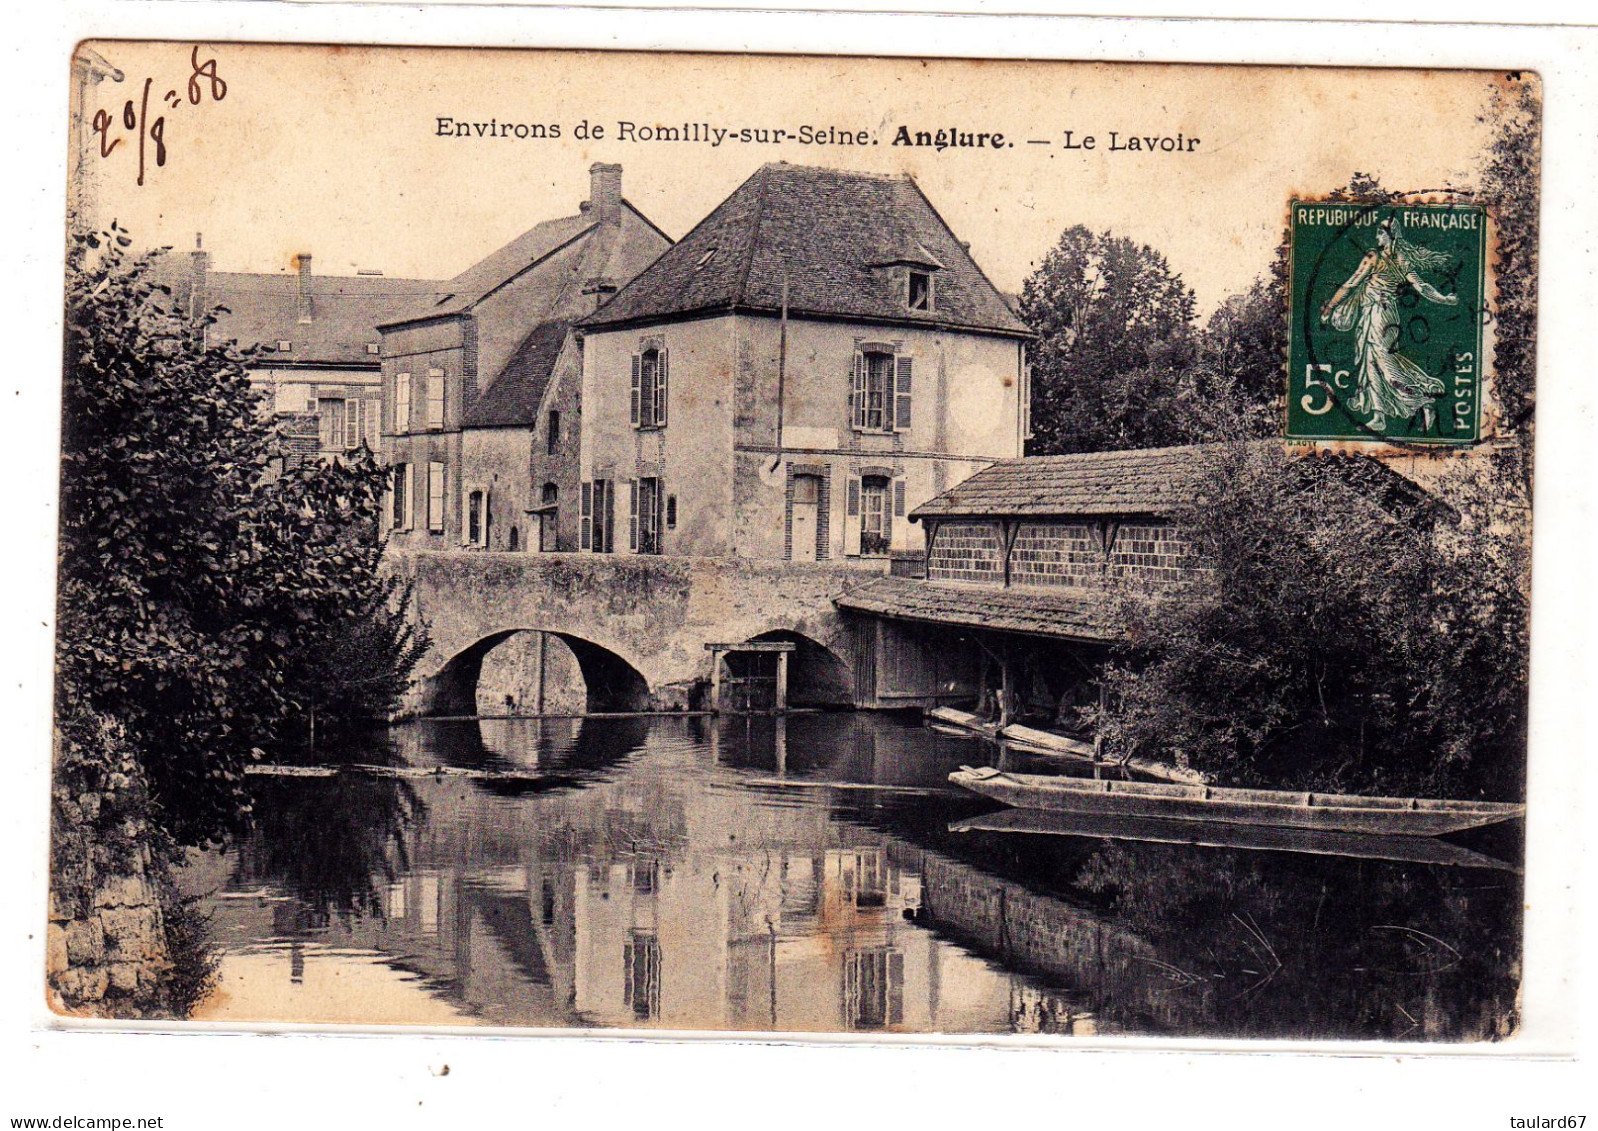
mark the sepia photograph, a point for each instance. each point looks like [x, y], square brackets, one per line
[572, 540]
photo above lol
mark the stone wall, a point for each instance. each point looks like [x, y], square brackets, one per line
[967, 551]
[107, 951]
[1056, 553]
[653, 614]
[1063, 553]
[1153, 552]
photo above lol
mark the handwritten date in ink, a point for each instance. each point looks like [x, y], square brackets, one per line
[135, 116]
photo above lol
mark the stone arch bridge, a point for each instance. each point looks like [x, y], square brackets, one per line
[637, 624]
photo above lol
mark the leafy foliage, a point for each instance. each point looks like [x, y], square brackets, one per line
[1337, 641]
[1114, 324]
[196, 580]
[1119, 363]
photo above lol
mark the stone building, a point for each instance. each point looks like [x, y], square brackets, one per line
[1019, 560]
[316, 340]
[817, 358]
[483, 381]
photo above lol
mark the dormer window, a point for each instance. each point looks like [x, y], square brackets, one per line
[918, 290]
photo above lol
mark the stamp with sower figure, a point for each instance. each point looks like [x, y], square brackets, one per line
[1387, 309]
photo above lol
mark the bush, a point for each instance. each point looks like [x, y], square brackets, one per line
[1343, 638]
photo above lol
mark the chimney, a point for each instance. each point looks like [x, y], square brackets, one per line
[604, 191]
[304, 264]
[199, 268]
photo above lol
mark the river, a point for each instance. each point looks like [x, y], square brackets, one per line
[800, 875]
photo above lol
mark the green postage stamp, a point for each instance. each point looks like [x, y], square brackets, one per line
[1387, 307]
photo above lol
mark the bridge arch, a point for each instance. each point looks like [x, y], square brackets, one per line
[612, 682]
[817, 675]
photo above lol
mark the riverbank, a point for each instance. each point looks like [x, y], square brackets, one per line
[120, 942]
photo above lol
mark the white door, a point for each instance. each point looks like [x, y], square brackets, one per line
[806, 500]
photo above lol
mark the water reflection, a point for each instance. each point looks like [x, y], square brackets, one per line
[733, 875]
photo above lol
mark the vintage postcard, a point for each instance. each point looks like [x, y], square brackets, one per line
[573, 540]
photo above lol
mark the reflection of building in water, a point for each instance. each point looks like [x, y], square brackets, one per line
[633, 903]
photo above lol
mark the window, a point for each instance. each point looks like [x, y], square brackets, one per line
[597, 524]
[284, 346]
[332, 423]
[649, 388]
[372, 348]
[645, 533]
[880, 391]
[435, 398]
[514, 543]
[435, 498]
[402, 404]
[671, 512]
[399, 481]
[475, 519]
[918, 291]
[552, 434]
[641, 974]
[875, 520]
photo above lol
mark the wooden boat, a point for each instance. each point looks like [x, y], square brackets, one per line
[1213, 834]
[1047, 744]
[1382, 816]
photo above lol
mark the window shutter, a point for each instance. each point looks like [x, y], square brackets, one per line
[608, 519]
[898, 498]
[352, 423]
[857, 392]
[895, 987]
[372, 426]
[901, 409]
[435, 398]
[638, 364]
[402, 404]
[632, 515]
[585, 526]
[851, 525]
[660, 387]
[435, 497]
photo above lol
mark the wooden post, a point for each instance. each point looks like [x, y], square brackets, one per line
[715, 681]
[782, 682]
[1006, 691]
[781, 743]
[1098, 725]
[543, 645]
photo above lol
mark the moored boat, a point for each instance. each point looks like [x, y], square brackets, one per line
[1382, 816]
[1213, 834]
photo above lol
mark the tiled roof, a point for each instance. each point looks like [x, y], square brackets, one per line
[1067, 614]
[1142, 481]
[263, 309]
[514, 396]
[832, 234]
[466, 289]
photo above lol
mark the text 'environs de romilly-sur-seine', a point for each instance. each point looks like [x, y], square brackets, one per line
[937, 137]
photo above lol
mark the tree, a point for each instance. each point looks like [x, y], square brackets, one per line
[1246, 340]
[1115, 328]
[193, 581]
[1340, 639]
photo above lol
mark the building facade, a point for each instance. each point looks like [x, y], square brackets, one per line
[316, 345]
[820, 356]
[481, 385]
